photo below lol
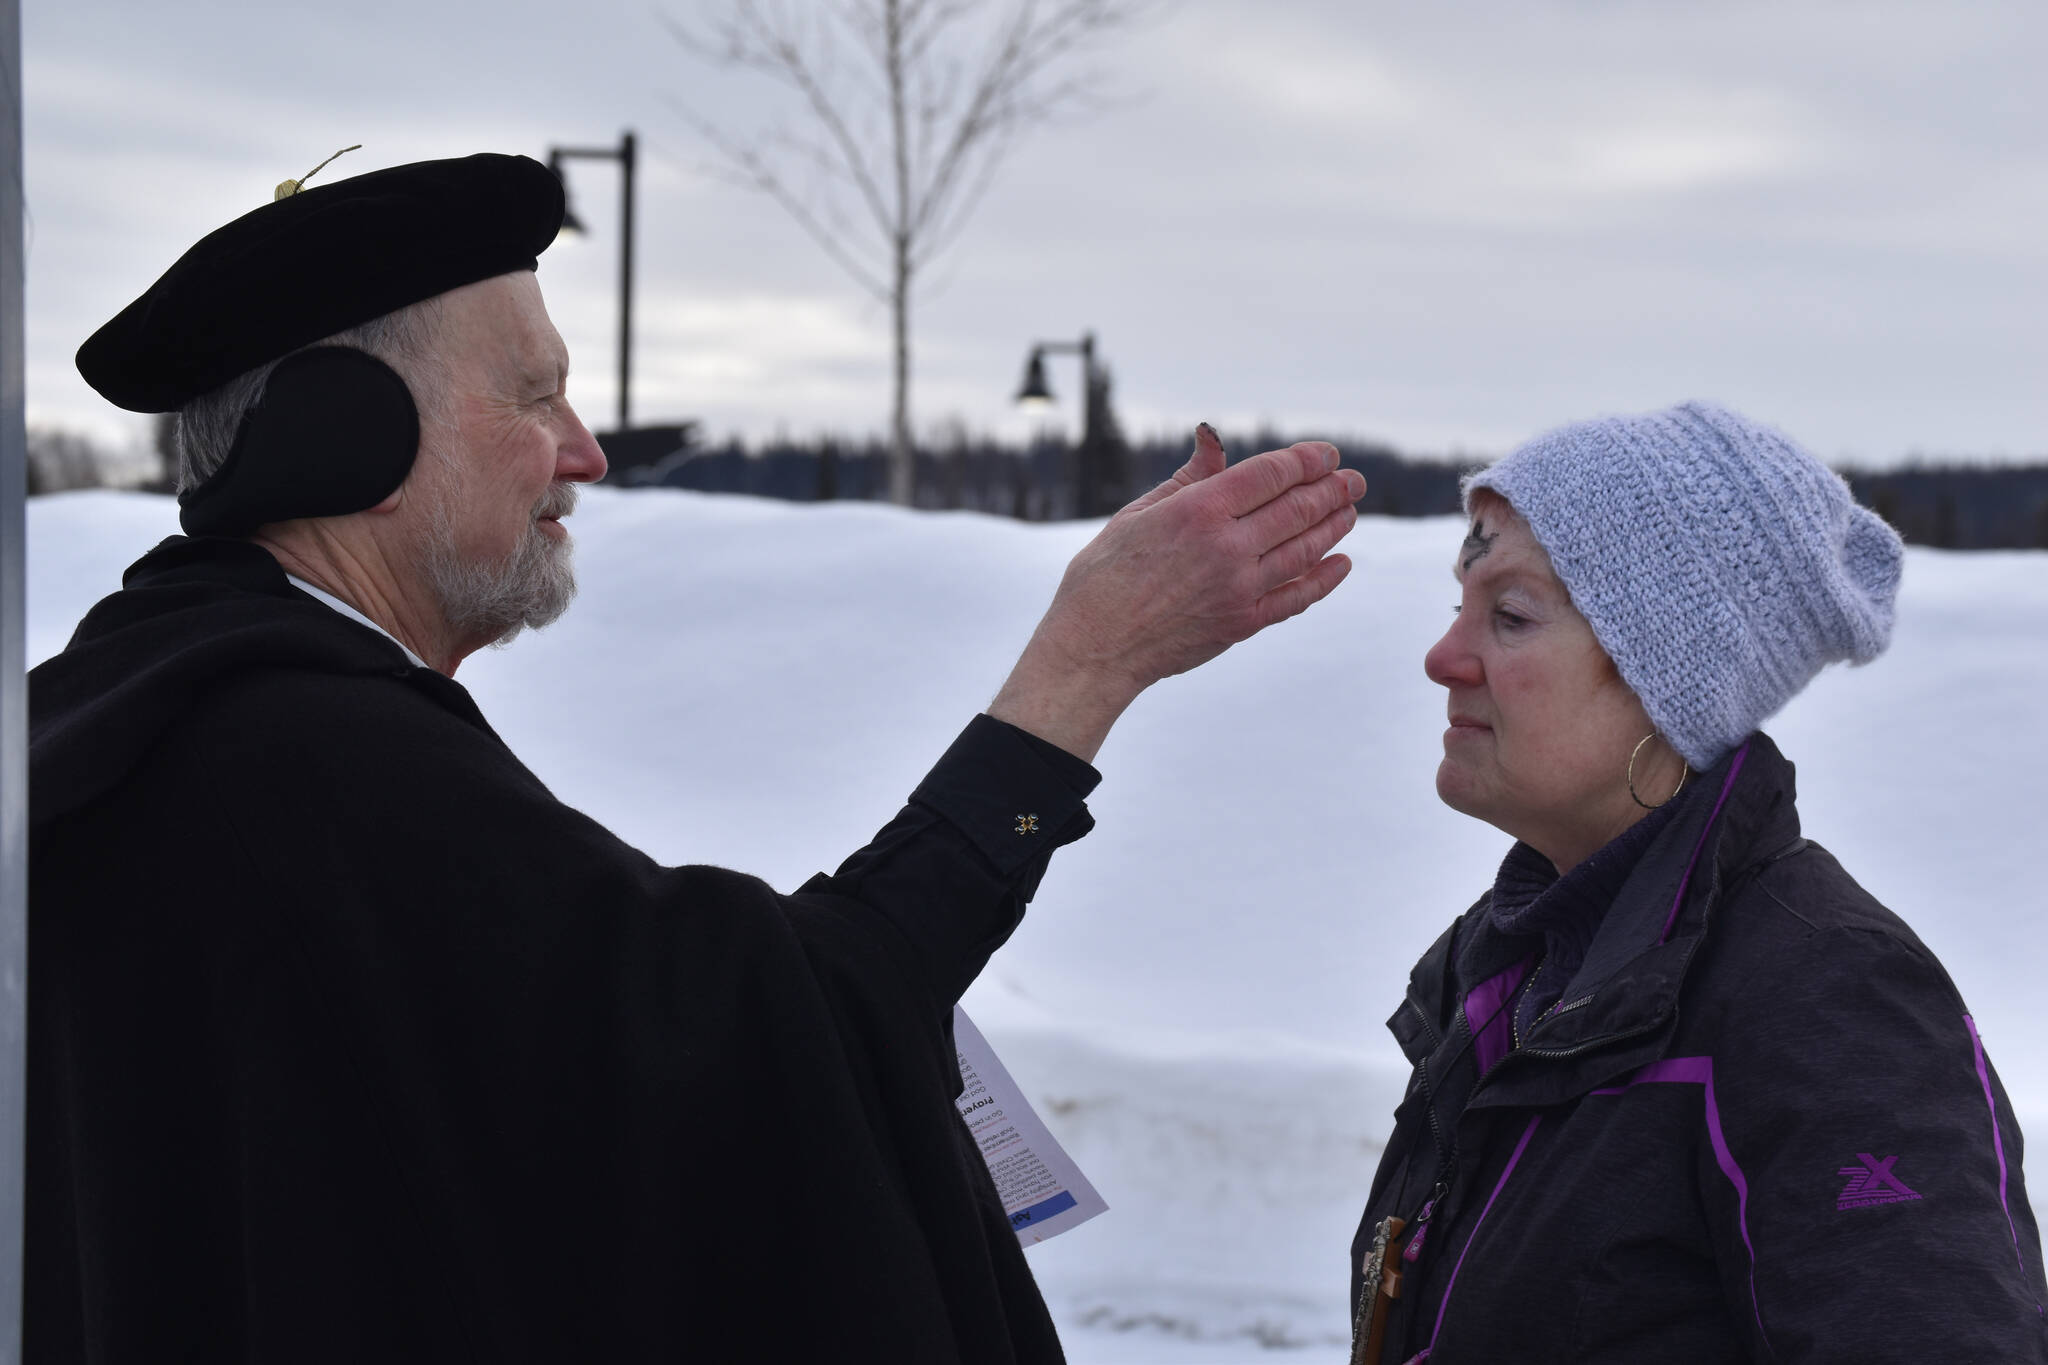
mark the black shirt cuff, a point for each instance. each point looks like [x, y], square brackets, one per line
[1015, 796]
[1077, 773]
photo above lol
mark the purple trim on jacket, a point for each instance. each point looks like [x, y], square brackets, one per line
[1726, 786]
[1452, 1283]
[1700, 1071]
[1997, 1147]
[1487, 1018]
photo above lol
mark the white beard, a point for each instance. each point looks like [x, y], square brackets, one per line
[498, 599]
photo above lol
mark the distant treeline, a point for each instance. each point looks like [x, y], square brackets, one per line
[1036, 482]
[1960, 507]
[1955, 506]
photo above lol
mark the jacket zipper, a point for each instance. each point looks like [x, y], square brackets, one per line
[1713, 890]
[1418, 1231]
[1419, 1228]
[1446, 1147]
[1515, 1004]
[1447, 1155]
[1384, 1259]
[1602, 1041]
[1444, 1303]
[1435, 1038]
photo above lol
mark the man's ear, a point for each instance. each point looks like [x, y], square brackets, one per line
[334, 423]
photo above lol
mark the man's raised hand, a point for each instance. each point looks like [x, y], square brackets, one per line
[1210, 557]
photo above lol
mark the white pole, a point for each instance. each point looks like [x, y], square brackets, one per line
[13, 694]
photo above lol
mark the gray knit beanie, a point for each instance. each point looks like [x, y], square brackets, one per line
[1720, 565]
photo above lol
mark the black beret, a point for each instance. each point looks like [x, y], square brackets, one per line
[327, 258]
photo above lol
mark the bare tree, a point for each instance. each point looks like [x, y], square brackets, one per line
[910, 107]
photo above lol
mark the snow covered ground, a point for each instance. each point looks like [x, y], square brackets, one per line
[1196, 999]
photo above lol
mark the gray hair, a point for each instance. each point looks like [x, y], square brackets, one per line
[404, 340]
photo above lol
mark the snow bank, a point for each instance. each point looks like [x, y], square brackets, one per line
[1198, 995]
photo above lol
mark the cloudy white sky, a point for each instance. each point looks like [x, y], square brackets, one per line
[1446, 225]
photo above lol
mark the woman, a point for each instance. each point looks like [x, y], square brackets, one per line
[1683, 1091]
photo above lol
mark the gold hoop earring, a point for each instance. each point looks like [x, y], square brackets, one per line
[1684, 771]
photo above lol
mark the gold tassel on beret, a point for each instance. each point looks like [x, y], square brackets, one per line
[287, 188]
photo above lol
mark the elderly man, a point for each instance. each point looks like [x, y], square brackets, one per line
[349, 1042]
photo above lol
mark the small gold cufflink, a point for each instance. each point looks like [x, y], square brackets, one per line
[1027, 824]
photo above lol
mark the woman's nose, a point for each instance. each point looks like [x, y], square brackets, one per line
[1449, 662]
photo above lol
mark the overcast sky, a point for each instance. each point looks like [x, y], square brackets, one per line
[1445, 225]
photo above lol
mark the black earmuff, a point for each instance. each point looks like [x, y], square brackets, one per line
[335, 432]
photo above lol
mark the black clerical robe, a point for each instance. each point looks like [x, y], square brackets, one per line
[349, 1042]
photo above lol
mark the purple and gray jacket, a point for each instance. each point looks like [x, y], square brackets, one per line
[1759, 1126]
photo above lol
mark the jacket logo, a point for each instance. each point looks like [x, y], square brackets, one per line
[1872, 1183]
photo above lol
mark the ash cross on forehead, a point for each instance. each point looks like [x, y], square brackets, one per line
[1478, 545]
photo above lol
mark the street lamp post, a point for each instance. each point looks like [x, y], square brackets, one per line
[1095, 459]
[625, 154]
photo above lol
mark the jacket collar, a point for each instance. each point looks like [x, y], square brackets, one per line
[1616, 1012]
[1418, 1024]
